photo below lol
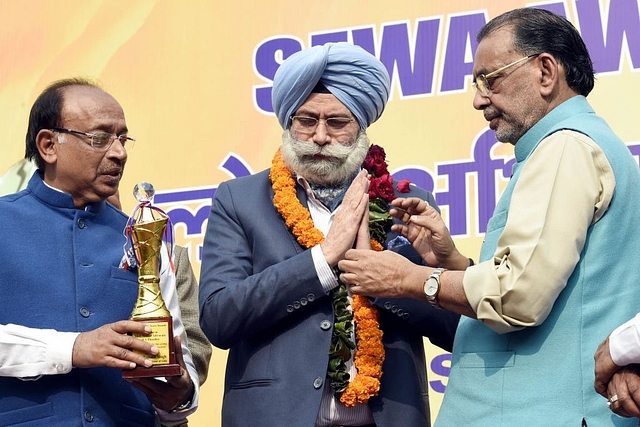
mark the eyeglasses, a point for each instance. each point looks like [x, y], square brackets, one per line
[483, 82]
[307, 125]
[100, 141]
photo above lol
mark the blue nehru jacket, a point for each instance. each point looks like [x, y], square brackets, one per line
[60, 271]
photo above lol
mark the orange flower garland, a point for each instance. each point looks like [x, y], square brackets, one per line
[369, 354]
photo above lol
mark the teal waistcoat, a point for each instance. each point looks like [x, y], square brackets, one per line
[543, 375]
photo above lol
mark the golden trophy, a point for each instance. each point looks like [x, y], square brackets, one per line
[145, 231]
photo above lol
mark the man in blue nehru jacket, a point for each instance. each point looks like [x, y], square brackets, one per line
[64, 337]
[269, 290]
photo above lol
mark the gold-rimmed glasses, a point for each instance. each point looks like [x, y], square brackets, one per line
[483, 82]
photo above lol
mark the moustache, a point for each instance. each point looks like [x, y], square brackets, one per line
[305, 149]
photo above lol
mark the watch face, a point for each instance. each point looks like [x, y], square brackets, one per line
[431, 288]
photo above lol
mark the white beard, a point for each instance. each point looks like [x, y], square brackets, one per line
[339, 163]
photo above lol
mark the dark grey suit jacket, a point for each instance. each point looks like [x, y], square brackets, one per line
[260, 298]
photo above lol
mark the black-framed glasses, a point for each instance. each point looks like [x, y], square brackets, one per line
[483, 82]
[100, 140]
[307, 125]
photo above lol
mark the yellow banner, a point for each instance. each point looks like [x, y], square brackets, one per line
[194, 79]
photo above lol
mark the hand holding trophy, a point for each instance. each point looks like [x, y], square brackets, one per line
[144, 231]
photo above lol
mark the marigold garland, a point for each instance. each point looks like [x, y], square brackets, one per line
[369, 354]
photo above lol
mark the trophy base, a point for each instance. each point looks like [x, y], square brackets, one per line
[165, 362]
[172, 370]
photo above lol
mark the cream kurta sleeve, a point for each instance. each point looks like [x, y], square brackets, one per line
[565, 186]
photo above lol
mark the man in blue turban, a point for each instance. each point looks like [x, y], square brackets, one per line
[301, 351]
[354, 76]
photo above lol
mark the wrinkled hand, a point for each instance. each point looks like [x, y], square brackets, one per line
[379, 274]
[604, 367]
[109, 345]
[172, 393]
[625, 384]
[424, 228]
[347, 220]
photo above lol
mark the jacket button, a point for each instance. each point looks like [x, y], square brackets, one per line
[289, 309]
[387, 305]
[88, 416]
[303, 301]
[317, 383]
[81, 223]
[325, 325]
[311, 297]
[296, 304]
[84, 312]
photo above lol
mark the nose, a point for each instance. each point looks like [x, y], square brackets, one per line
[117, 150]
[480, 101]
[321, 136]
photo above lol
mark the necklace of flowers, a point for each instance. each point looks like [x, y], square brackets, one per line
[369, 354]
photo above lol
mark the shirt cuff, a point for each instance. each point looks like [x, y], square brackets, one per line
[60, 356]
[328, 279]
[624, 343]
[31, 353]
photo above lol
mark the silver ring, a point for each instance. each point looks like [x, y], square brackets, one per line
[612, 399]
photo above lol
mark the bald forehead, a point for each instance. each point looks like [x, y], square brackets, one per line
[81, 101]
[83, 93]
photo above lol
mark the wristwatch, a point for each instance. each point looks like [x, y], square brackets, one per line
[187, 404]
[432, 287]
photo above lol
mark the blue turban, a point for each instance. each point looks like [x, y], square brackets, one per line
[354, 76]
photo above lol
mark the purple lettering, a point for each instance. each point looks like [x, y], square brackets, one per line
[462, 34]
[623, 20]
[440, 365]
[266, 65]
[363, 37]
[456, 195]
[410, 56]
[416, 77]
[554, 7]
[334, 37]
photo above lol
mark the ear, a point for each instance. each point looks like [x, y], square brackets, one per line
[550, 73]
[46, 143]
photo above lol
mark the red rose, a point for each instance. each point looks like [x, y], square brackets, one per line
[403, 186]
[381, 187]
[375, 161]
